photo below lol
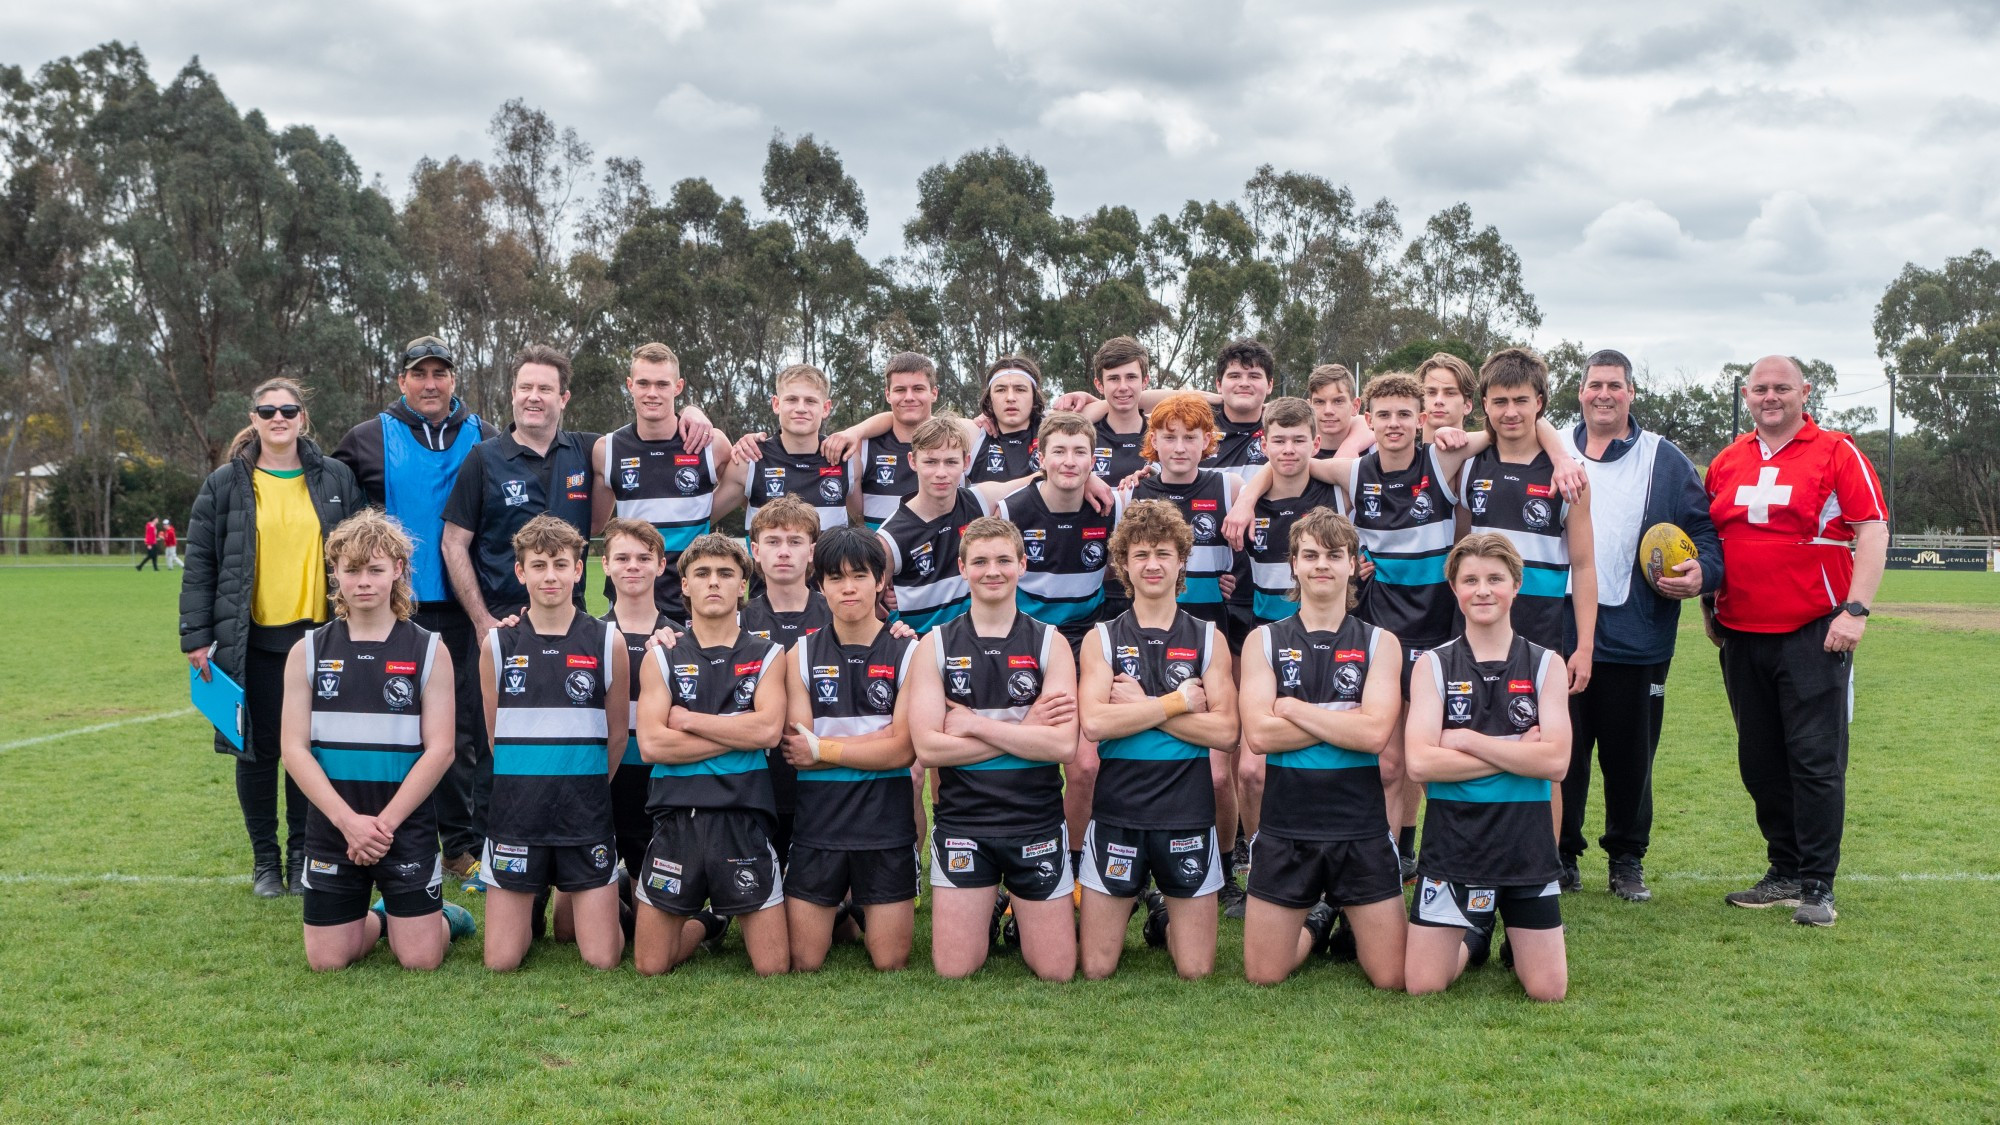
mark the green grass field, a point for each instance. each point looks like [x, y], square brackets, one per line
[138, 976]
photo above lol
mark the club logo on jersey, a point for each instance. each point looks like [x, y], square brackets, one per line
[960, 669]
[1257, 448]
[923, 560]
[687, 480]
[1288, 666]
[580, 685]
[832, 489]
[515, 681]
[881, 695]
[744, 695]
[329, 685]
[1521, 711]
[996, 459]
[1479, 490]
[1128, 660]
[600, 857]
[1204, 526]
[1347, 680]
[1034, 537]
[686, 678]
[1420, 506]
[1102, 465]
[1458, 709]
[1536, 513]
[1023, 686]
[1371, 501]
[514, 493]
[826, 682]
[1260, 533]
[398, 692]
[885, 469]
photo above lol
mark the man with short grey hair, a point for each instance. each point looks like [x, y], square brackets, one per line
[1637, 479]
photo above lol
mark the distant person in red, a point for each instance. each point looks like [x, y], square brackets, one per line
[1804, 540]
[172, 542]
[152, 554]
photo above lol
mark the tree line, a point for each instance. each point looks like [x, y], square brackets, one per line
[161, 252]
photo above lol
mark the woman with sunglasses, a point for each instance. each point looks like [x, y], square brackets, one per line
[256, 580]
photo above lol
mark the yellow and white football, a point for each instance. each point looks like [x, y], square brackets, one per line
[1661, 549]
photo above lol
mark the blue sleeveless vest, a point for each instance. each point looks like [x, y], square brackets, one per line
[415, 484]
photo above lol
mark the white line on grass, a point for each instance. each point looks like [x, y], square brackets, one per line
[1855, 877]
[43, 878]
[94, 729]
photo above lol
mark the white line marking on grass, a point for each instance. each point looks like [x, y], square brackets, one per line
[36, 741]
[45, 879]
[1856, 877]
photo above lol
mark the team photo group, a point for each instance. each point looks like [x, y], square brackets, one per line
[1340, 663]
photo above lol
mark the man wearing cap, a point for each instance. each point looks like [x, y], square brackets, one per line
[407, 458]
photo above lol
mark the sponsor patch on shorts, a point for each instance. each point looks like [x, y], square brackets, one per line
[1118, 869]
[512, 864]
[667, 865]
[1121, 849]
[954, 843]
[322, 867]
[1046, 847]
[1185, 844]
[958, 861]
[1479, 900]
[510, 849]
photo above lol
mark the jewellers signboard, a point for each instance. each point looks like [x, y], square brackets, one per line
[1939, 558]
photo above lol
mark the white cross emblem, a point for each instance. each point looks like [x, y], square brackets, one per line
[1760, 496]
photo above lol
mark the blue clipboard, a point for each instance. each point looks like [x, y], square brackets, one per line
[220, 701]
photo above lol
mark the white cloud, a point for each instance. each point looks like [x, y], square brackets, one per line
[1787, 236]
[1636, 228]
[1096, 112]
[689, 108]
[676, 18]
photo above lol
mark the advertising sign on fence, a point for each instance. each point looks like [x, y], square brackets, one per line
[1939, 558]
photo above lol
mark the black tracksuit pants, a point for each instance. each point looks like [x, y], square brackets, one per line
[1792, 699]
[257, 775]
[1618, 715]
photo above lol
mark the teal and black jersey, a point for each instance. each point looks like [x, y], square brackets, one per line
[1323, 791]
[667, 486]
[1152, 780]
[716, 681]
[1000, 678]
[1063, 584]
[1521, 502]
[635, 656]
[1491, 831]
[1240, 452]
[784, 629]
[808, 476]
[1407, 526]
[551, 781]
[367, 723]
[1116, 455]
[1269, 547]
[923, 561]
[881, 469]
[1006, 457]
[1204, 502]
[854, 689]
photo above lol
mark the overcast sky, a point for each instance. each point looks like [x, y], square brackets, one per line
[1691, 183]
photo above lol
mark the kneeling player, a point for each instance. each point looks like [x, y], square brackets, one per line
[555, 693]
[993, 710]
[1488, 731]
[367, 733]
[710, 710]
[856, 830]
[1320, 698]
[1157, 693]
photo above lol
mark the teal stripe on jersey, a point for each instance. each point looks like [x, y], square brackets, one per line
[722, 765]
[548, 759]
[365, 765]
[1495, 789]
[924, 620]
[631, 757]
[1202, 590]
[1544, 582]
[1425, 571]
[849, 773]
[1324, 756]
[677, 538]
[1006, 762]
[1057, 613]
[1150, 746]
[1272, 607]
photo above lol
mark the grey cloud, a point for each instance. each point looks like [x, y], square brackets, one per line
[1727, 34]
[1462, 154]
[1763, 105]
[1964, 118]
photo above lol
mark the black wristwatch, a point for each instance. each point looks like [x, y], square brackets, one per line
[1855, 608]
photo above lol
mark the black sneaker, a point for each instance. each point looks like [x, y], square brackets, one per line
[1155, 928]
[1479, 940]
[1771, 890]
[1628, 879]
[1507, 952]
[266, 881]
[714, 929]
[1815, 904]
[1408, 866]
[295, 873]
[1233, 898]
[1571, 880]
[1239, 856]
[1319, 923]
[1340, 943]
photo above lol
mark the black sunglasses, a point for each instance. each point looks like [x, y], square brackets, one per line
[289, 410]
[428, 351]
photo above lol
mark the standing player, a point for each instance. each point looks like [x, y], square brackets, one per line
[633, 558]
[366, 734]
[655, 475]
[781, 545]
[1788, 500]
[993, 710]
[792, 464]
[1012, 406]
[1488, 732]
[1319, 701]
[1120, 372]
[1291, 444]
[1449, 388]
[555, 690]
[850, 743]
[1336, 404]
[710, 710]
[922, 536]
[880, 466]
[1156, 695]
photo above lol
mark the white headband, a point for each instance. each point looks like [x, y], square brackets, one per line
[1012, 371]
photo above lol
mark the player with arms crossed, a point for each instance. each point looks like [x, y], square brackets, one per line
[1488, 732]
[849, 739]
[367, 732]
[554, 686]
[993, 710]
[1319, 701]
[711, 707]
[1157, 693]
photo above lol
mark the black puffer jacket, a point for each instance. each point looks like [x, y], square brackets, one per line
[222, 554]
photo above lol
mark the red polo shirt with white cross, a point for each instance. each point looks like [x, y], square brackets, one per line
[1787, 519]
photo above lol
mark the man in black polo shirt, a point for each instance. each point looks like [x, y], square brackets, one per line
[535, 467]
